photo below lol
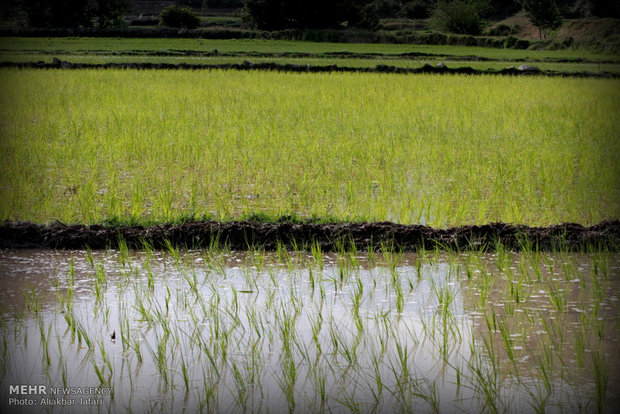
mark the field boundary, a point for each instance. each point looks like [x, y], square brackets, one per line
[317, 55]
[247, 65]
[247, 235]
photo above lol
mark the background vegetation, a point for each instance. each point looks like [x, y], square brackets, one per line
[567, 23]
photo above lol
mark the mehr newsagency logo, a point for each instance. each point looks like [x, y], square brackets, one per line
[43, 395]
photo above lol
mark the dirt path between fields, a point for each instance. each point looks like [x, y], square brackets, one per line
[243, 235]
[299, 55]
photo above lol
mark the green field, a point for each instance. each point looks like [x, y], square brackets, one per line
[313, 61]
[352, 55]
[302, 330]
[281, 46]
[152, 146]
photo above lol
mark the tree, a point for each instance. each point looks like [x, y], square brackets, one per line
[179, 16]
[309, 14]
[58, 13]
[544, 14]
[458, 16]
[266, 14]
[110, 12]
[417, 9]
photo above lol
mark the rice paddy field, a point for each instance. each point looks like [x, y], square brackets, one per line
[217, 52]
[294, 331]
[303, 330]
[157, 146]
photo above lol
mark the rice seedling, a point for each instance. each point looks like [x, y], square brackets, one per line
[557, 296]
[506, 338]
[211, 346]
[241, 395]
[601, 378]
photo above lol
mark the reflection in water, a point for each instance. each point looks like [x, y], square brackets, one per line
[290, 331]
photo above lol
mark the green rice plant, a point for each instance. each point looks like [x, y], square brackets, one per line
[516, 289]
[319, 385]
[581, 340]
[349, 402]
[209, 386]
[357, 295]
[62, 363]
[398, 290]
[82, 335]
[106, 360]
[100, 372]
[45, 342]
[486, 377]
[242, 390]
[32, 301]
[123, 251]
[601, 378]
[99, 283]
[545, 367]
[317, 254]
[538, 399]
[507, 339]
[287, 382]
[557, 296]
[94, 149]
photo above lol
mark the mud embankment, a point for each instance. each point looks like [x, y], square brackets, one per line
[246, 65]
[299, 55]
[242, 235]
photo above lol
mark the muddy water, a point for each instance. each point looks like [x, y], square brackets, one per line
[286, 331]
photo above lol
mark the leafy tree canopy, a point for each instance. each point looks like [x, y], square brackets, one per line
[285, 14]
[544, 14]
[75, 13]
[459, 16]
[58, 13]
[179, 16]
[110, 12]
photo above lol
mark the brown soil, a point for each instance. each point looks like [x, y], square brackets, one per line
[242, 235]
[578, 29]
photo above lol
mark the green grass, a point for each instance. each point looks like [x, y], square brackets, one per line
[8, 44]
[86, 146]
[313, 61]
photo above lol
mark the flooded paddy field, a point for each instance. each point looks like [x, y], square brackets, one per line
[307, 331]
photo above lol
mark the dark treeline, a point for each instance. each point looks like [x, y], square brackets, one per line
[287, 14]
[283, 14]
[67, 13]
[314, 14]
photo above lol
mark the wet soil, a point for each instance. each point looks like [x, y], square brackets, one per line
[271, 66]
[242, 235]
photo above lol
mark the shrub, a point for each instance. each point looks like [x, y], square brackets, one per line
[500, 30]
[512, 42]
[416, 9]
[179, 16]
[521, 44]
[457, 16]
